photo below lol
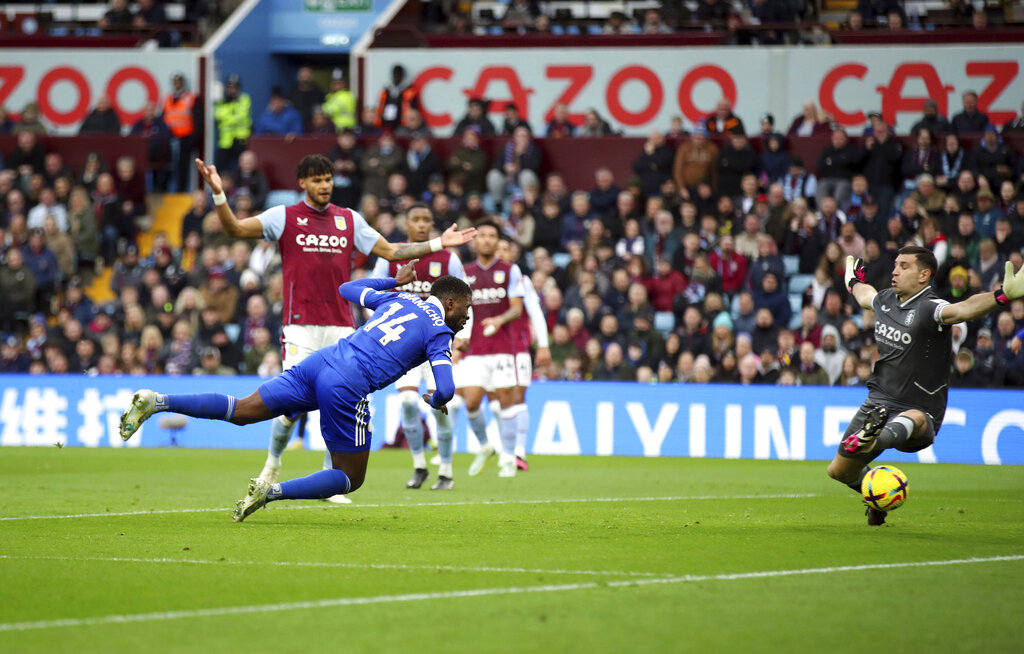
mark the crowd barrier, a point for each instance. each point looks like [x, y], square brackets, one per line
[583, 418]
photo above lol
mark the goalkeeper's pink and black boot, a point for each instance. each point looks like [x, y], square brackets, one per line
[863, 439]
[876, 518]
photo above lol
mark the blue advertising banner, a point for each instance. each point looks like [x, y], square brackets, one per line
[589, 418]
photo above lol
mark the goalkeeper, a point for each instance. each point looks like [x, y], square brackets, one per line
[907, 388]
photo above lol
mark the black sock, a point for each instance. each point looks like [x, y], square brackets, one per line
[895, 433]
[855, 485]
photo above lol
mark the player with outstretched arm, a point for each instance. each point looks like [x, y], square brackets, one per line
[318, 241]
[403, 332]
[907, 390]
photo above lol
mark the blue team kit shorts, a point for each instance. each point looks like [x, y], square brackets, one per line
[314, 384]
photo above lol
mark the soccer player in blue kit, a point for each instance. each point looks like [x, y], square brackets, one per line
[403, 332]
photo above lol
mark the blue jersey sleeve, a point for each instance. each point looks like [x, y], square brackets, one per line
[439, 354]
[367, 292]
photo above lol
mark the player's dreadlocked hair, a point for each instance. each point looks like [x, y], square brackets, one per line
[925, 258]
[313, 165]
[448, 286]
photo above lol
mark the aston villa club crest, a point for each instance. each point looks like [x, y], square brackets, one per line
[909, 320]
[499, 276]
[339, 222]
[435, 269]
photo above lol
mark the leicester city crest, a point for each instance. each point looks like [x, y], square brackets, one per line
[435, 269]
[909, 320]
[339, 222]
[499, 276]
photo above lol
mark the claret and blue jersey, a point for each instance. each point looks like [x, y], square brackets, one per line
[403, 332]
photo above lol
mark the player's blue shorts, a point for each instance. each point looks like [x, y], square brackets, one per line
[315, 384]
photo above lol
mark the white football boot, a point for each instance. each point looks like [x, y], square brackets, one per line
[142, 407]
[255, 499]
[485, 453]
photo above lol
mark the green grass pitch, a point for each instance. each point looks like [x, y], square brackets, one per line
[577, 555]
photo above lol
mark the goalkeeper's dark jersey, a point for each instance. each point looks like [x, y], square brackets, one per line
[915, 353]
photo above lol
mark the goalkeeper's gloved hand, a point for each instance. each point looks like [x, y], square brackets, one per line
[1013, 285]
[854, 271]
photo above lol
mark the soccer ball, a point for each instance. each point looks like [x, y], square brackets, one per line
[885, 488]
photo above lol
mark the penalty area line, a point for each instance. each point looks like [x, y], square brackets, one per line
[481, 592]
[274, 507]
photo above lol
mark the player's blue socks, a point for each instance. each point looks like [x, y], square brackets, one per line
[214, 406]
[413, 428]
[317, 486]
[479, 425]
[280, 433]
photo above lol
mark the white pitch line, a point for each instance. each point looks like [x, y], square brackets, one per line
[481, 592]
[330, 564]
[275, 507]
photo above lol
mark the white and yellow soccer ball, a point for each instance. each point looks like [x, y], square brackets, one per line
[885, 488]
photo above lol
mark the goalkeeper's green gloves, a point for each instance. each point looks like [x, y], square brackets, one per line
[854, 271]
[1013, 285]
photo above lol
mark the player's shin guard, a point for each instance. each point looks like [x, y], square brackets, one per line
[479, 425]
[522, 430]
[444, 443]
[213, 406]
[317, 486]
[413, 428]
[895, 433]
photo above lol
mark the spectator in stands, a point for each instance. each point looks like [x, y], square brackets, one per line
[117, 17]
[513, 119]
[233, 115]
[340, 104]
[876, 12]
[102, 119]
[252, 179]
[936, 124]
[47, 206]
[305, 95]
[83, 229]
[279, 117]
[158, 138]
[724, 121]
[422, 163]
[28, 155]
[882, 164]
[928, 196]
[1010, 126]
[713, 12]
[695, 161]
[772, 296]
[618, 23]
[469, 162]
[45, 269]
[6, 124]
[193, 220]
[952, 160]
[560, 126]
[993, 159]
[812, 122]
[594, 125]
[970, 120]
[476, 116]
[979, 19]
[654, 165]
[17, 292]
[131, 188]
[735, 160]
[966, 191]
[396, 99]
[115, 226]
[605, 193]
[346, 155]
[921, 158]
[653, 23]
[986, 215]
[729, 265]
[379, 161]
[517, 164]
[29, 121]
[837, 164]
[520, 13]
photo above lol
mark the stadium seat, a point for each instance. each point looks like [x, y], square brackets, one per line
[799, 283]
[561, 259]
[796, 304]
[283, 196]
[665, 322]
[792, 264]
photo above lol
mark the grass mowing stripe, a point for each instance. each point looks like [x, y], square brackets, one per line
[675, 498]
[415, 597]
[330, 564]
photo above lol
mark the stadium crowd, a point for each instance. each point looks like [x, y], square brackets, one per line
[715, 262]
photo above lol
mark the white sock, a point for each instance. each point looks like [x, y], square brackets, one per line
[508, 431]
[280, 433]
[445, 470]
[522, 430]
[419, 460]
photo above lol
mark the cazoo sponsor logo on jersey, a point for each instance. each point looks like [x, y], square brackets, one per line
[321, 242]
[892, 336]
[418, 286]
[488, 295]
